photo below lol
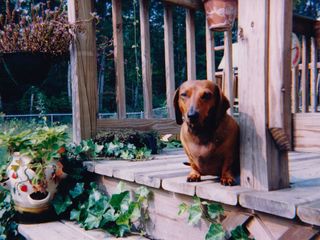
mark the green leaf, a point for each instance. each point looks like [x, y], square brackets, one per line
[75, 215]
[134, 211]
[124, 219]
[215, 210]
[94, 197]
[239, 234]
[215, 232]
[119, 230]
[121, 187]
[142, 192]
[109, 216]
[61, 204]
[77, 190]
[195, 214]
[92, 221]
[116, 199]
[183, 207]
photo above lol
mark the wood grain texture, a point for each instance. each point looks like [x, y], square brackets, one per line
[260, 160]
[191, 44]
[310, 213]
[279, 79]
[299, 233]
[313, 76]
[304, 76]
[306, 132]
[193, 4]
[145, 58]
[83, 58]
[169, 59]
[228, 70]
[210, 55]
[295, 90]
[163, 126]
[117, 26]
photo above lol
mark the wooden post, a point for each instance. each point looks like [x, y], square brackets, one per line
[262, 165]
[295, 90]
[304, 76]
[118, 58]
[191, 42]
[169, 58]
[313, 76]
[83, 58]
[211, 68]
[145, 58]
[228, 69]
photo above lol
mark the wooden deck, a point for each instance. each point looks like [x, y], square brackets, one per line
[166, 172]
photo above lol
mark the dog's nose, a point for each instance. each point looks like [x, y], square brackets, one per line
[193, 114]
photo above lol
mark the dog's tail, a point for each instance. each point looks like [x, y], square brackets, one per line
[186, 163]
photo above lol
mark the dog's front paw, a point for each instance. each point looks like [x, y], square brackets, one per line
[227, 180]
[193, 177]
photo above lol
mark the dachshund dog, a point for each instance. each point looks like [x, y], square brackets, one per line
[209, 135]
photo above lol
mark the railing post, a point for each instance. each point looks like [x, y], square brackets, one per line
[263, 165]
[304, 76]
[313, 76]
[169, 58]
[210, 53]
[118, 58]
[83, 71]
[191, 44]
[228, 69]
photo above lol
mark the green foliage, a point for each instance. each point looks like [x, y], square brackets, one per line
[92, 209]
[213, 213]
[127, 151]
[8, 227]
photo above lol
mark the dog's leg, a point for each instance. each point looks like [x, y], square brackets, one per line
[194, 175]
[227, 176]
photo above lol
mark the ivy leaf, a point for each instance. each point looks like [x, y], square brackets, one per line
[134, 211]
[195, 214]
[119, 230]
[183, 207]
[108, 216]
[121, 187]
[215, 210]
[142, 193]
[77, 191]
[94, 197]
[116, 199]
[61, 204]
[92, 221]
[124, 219]
[75, 215]
[239, 234]
[215, 232]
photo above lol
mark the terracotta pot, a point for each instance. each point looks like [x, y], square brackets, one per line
[220, 14]
[27, 199]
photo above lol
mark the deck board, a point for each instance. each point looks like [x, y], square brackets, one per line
[166, 171]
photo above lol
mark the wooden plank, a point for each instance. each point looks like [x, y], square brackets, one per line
[169, 59]
[154, 179]
[260, 160]
[281, 202]
[235, 219]
[145, 58]
[218, 193]
[191, 44]
[228, 70]
[279, 82]
[83, 58]
[192, 4]
[258, 230]
[313, 76]
[180, 184]
[219, 48]
[118, 58]
[306, 132]
[295, 90]
[210, 55]
[298, 233]
[304, 76]
[310, 213]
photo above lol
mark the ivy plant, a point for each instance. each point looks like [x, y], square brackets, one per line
[213, 213]
[119, 213]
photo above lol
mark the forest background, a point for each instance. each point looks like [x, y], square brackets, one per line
[53, 94]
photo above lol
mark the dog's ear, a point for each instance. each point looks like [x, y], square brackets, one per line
[176, 107]
[222, 106]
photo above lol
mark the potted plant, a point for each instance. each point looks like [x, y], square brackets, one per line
[31, 39]
[34, 171]
[220, 14]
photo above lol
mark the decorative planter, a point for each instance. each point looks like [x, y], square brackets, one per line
[220, 14]
[27, 198]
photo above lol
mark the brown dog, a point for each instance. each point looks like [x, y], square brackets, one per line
[210, 137]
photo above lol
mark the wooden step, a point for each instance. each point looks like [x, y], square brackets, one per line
[65, 230]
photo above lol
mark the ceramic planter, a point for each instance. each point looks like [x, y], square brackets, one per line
[220, 14]
[27, 198]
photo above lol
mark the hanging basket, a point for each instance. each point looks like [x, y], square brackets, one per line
[220, 14]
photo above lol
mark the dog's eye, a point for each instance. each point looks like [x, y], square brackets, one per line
[206, 96]
[184, 94]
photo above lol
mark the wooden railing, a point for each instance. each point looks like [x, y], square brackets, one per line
[163, 125]
[306, 79]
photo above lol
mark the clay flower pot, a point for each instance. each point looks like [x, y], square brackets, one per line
[220, 14]
[27, 197]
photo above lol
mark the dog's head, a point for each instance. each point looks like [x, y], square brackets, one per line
[199, 103]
